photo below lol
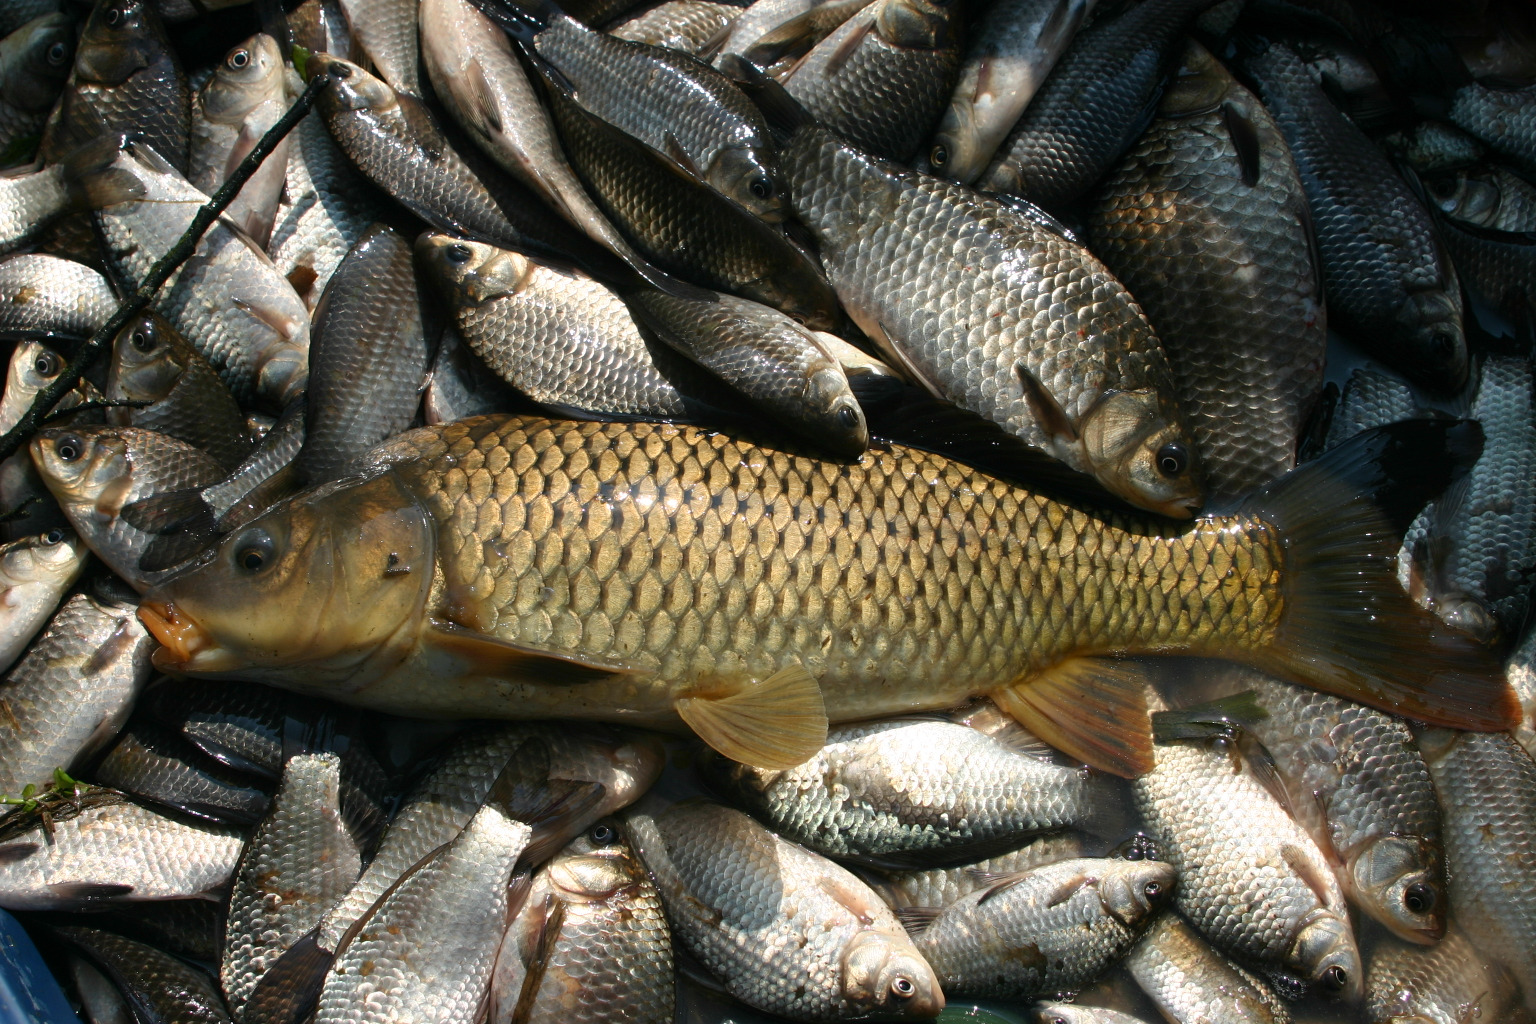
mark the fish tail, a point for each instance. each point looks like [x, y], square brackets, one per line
[520, 19]
[1346, 626]
[782, 111]
[92, 177]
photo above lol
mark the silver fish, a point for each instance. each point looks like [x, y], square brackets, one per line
[386, 30]
[100, 847]
[785, 930]
[67, 697]
[30, 202]
[1191, 983]
[460, 385]
[1448, 983]
[939, 887]
[1504, 119]
[43, 295]
[1070, 1013]
[1521, 672]
[243, 98]
[34, 574]
[33, 367]
[1055, 928]
[1494, 197]
[687, 25]
[300, 860]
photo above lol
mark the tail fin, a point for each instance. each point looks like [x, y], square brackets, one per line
[783, 112]
[520, 19]
[1347, 626]
[94, 176]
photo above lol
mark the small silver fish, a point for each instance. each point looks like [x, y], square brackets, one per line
[1191, 983]
[34, 574]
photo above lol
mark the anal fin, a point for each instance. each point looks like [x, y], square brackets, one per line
[775, 724]
[1091, 708]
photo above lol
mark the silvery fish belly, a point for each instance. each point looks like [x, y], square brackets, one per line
[42, 294]
[1191, 983]
[939, 887]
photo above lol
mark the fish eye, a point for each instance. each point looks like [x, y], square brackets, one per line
[847, 417]
[603, 835]
[1334, 979]
[1419, 898]
[48, 364]
[57, 53]
[1443, 187]
[69, 447]
[456, 254]
[1172, 459]
[762, 188]
[53, 536]
[255, 551]
[239, 59]
[142, 340]
[116, 14]
[902, 987]
[1442, 344]
[341, 71]
[939, 155]
[1153, 890]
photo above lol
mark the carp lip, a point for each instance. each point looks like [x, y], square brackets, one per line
[181, 639]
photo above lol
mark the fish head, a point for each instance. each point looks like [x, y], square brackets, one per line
[1429, 328]
[747, 175]
[120, 38]
[1200, 84]
[352, 88]
[33, 367]
[597, 865]
[1138, 448]
[249, 74]
[886, 977]
[307, 592]
[1465, 197]
[471, 273]
[35, 60]
[1397, 879]
[55, 555]
[915, 24]
[88, 469]
[148, 358]
[1134, 891]
[1327, 958]
[830, 401]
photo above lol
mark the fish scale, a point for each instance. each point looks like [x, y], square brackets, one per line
[1503, 118]
[49, 295]
[1441, 984]
[684, 25]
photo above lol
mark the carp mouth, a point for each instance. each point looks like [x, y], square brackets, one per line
[182, 640]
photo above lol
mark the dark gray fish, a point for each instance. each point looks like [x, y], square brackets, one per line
[17, 13]
[368, 355]
[1503, 118]
[44, 296]
[161, 988]
[1499, 267]
[127, 78]
[174, 391]
[187, 928]
[1095, 103]
[1387, 285]
[35, 60]
[1371, 399]
[1434, 147]
[156, 765]
[460, 385]
[1491, 197]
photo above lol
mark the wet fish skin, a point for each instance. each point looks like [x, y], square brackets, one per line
[70, 693]
[1359, 785]
[887, 237]
[160, 985]
[227, 300]
[1053, 929]
[1504, 119]
[34, 574]
[1497, 266]
[675, 104]
[1069, 1013]
[320, 26]
[1487, 789]
[1441, 984]
[34, 366]
[686, 25]
[298, 863]
[95, 471]
[31, 202]
[610, 955]
[939, 887]
[1370, 399]
[1491, 197]
[126, 78]
[1092, 106]
[42, 295]
[1521, 671]
[189, 928]
[368, 355]
[1223, 267]
[756, 21]
[426, 949]
[244, 97]
[152, 363]
[460, 385]
[559, 337]
[1190, 982]
[386, 30]
[1434, 147]
[1250, 878]
[881, 80]
[785, 930]
[111, 851]
[900, 793]
[159, 767]
[1386, 283]
[1013, 50]
[35, 60]
[777, 363]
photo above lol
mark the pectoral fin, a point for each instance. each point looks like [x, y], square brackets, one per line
[776, 724]
[1053, 419]
[490, 656]
[917, 919]
[1091, 708]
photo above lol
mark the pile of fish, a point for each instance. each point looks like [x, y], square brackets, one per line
[823, 510]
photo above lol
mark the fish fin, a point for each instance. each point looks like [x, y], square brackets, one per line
[91, 180]
[89, 891]
[1090, 708]
[284, 325]
[850, 44]
[674, 149]
[917, 919]
[520, 19]
[551, 826]
[1208, 721]
[1062, 24]
[1300, 863]
[491, 656]
[900, 361]
[1034, 214]
[785, 114]
[290, 988]
[1001, 884]
[541, 949]
[169, 550]
[863, 905]
[711, 46]
[778, 723]
[1346, 626]
[1265, 770]
[1069, 888]
[1053, 419]
[483, 115]
[1245, 139]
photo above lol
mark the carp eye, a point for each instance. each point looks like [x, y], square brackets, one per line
[69, 447]
[1419, 898]
[847, 417]
[254, 552]
[57, 53]
[48, 364]
[1334, 979]
[902, 987]
[1442, 344]
[341, 71]
[1443, 187]
[53, 536]
[458, 255]
[603, 835]
[113, 16]
[939, 155]
[1153, 890]
[142, 340]
[1172, 459]
[762, 188]
[239, 59]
